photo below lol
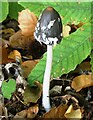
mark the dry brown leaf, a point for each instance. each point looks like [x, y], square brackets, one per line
[83, 66]
[6, 33]
[27, 22]
[56, 112]
[81, 82]
[21, 114]
[32, 111]
[14, 54]
[32, 94]
[66, 30]
[28, 113]
[4, 43]
[27, 66]
[4, 56]
[71, 113]
[20, 41]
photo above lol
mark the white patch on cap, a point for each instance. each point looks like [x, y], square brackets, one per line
[7, 66]
[43, 28]
[51, 24]
[58, 19]
[44, 36]
[47, 42]
[53, 40]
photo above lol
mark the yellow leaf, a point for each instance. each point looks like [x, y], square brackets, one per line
[71, 113]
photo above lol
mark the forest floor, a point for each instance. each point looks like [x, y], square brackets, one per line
[71, 95]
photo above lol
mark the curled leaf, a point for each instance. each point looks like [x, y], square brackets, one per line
[27, 22]
[81, 82]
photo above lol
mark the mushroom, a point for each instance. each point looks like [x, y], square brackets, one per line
[48, 31]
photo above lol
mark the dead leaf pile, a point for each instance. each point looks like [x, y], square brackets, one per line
[65, 111]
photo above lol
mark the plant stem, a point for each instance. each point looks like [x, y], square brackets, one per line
[46, 81]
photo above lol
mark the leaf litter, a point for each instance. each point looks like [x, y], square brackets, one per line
[74, 99]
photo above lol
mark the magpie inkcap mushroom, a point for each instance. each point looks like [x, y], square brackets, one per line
[49, 27]
[48, 31]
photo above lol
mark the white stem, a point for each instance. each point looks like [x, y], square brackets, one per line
[46, 81]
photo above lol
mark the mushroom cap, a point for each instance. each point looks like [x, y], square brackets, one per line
[49, 27]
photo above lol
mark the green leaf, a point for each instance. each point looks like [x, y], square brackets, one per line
[32, 6]
[4, 10]
[74, 48]
[70, 11]
[14, 8]
[8, 88]
[66, 56]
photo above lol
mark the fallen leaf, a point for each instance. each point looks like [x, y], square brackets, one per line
[32, 111]
[4, 56]
[21, 114]
[32, 94]
[4, 43]
[27, 66]
[28, 113]
[56, 112]
[71, 113]
[81, 82]
[27, 22]
[14, 54]
[20, 41]
[6, 33]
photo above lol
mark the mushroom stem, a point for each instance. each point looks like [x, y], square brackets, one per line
[46, 81]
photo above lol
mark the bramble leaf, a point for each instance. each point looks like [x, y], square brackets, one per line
[8, 88]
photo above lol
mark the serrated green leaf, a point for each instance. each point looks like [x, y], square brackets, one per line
[14, 8]
[70, 11]
[32, 6]
[74, 48]
[70, 52]
[4, 10]
[8, 88]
